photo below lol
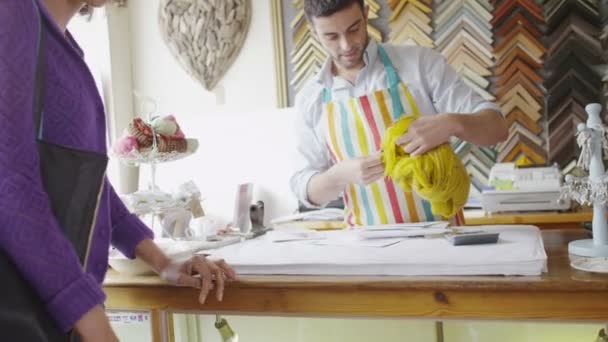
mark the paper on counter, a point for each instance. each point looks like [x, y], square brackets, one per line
[328, 214]
[328, 238]
[294, 234]
[409, 226]
[399, 233]
[402, 230]
[376, 243]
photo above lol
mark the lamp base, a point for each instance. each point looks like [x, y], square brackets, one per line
[601, 336]
[587, 248]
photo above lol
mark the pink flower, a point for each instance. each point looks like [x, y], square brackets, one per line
[125, 145]
[178, 132]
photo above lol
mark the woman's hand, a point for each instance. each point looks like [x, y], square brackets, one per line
[200, 272]
[94, 326]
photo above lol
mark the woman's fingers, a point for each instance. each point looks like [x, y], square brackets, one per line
[202, 268]
[228, 270]
[190, 281]
[200, 272]
[219, 280]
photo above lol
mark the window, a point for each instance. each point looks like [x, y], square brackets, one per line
[91, 33]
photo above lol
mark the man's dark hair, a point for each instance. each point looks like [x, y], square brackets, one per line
[325, 8]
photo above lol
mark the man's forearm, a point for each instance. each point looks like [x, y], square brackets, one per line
[484, 128]
[324, 187]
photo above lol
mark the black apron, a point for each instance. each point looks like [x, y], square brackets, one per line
[74, 181]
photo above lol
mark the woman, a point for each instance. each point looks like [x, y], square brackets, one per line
[52, 143]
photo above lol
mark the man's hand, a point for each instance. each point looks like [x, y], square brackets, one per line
[362, 171]
[327, 186]
[427, 132]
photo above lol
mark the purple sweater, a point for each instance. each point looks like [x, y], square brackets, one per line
[74, 117]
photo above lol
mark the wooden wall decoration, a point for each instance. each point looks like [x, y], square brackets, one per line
[574, 47]
[410, 22]
[604, 40]
[519, 52]
[463, 34]
[539, 60]
[205, 36]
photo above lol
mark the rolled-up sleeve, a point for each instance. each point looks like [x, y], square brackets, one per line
[311, 155]
[449, 92]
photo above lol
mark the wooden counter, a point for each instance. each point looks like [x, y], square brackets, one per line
[562, 294]
[550, 219]
[544, 220]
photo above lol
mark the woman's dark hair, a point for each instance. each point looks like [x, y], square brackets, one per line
[325, 8]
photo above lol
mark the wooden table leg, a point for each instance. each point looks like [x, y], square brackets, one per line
[170, 326]
[439, 331]
[602, 335]
[159, 325]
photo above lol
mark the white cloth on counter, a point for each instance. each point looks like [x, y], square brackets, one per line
[519, 251]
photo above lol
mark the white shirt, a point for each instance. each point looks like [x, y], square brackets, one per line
[434, 84]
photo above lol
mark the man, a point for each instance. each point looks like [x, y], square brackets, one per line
[360, 91]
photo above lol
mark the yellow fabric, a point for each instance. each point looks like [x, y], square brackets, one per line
[523, 161]
[437, 176]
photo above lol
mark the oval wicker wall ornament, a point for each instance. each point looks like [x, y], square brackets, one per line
[205, 36]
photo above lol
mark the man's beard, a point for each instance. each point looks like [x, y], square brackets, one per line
[348, 63]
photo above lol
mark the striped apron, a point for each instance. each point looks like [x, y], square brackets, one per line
[354, 128]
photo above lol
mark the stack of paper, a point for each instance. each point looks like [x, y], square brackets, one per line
[519, 251]
[403, 230]
[327, 214]
[294, 234]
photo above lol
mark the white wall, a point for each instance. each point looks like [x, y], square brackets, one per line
[92, 36]
[246, 139]
[236, 147]
[249, 84]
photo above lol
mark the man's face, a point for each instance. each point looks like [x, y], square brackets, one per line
[344, 35]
